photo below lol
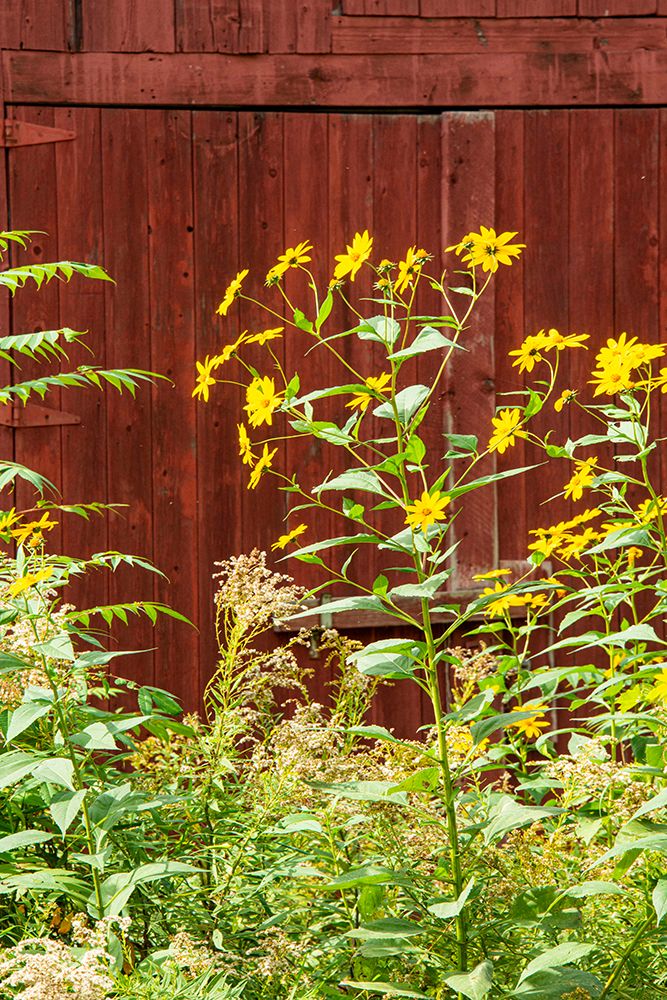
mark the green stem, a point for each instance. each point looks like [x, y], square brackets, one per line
[620, 965]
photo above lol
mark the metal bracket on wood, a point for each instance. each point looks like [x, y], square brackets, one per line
[18, 133]
[33, 415]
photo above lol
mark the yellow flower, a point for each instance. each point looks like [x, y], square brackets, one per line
[464, 246]
[506, 427]
[660, 381]
[7, 519]
[232, 291]
[428, 509]
[490, 250]
[627, 351]
[262, 338]
[659, 690]
[576, 544]
[530, 351]
[264, 462]
[375, 384]
[643, 353]
[261, 401]
[560, 341]
[245, 446]
[614, 376]
[27, 581]
[409, 268]
[204, 379]
[565, 398]
[34, 528]
[632, 554]
[548, 539]
[492, 574]
[504, 599]
[649, 509]
[228, 351]
[583, 477]
[354, 256]
[284, 540]
[293, 257]
[530, 728]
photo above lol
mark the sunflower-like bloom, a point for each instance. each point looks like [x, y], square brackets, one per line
[245, 446]
[649, 510]
[204, 378]
[354, 256]
[375, 384]
[27, 581]
[612, 377]
[530, 351]
[530, 728]
[293, 257]
[560, 341]
[410, 268]
[33, 531]
[565, 398]
[429, 508]
[263, 462]
[504, 599]
[232, 292]
[492, 574]
[583, 476]
[261, 401]
[506, 428]
[576, 544]
[659, 690]
[284, 540]
[262, 338]
[490, 249]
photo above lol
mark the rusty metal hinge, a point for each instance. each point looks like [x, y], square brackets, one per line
[17, 133]
[34, 415]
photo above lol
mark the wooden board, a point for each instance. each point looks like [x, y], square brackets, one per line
[206, 25]
[128, 27]
[611, 8]
[536, 8]
[517, 79]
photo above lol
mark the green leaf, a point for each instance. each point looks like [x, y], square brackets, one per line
[495, 477]
[391, 658]
[428, 588]
[476, 984]
[24, 716]
[382, 329]
[373, 732]
[508, 814]
[451, 909]
[386, 989]
[58, 648]
[362, 791]
[659, 897]
[56, 771]
[25, 838]
[325, 310]
[656, 802]
[354, 479]
[370, 603]
[594, 888]
[407, 402]
[462, 444]
[118, 889]
[64, 808]
[367, 874]
[301, 321]
[428, 339]
[556, 958]
[424, 780]
[14, 766]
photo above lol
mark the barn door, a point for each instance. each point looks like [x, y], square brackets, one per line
[173, 202]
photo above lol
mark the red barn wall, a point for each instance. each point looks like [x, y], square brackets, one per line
[209, 134]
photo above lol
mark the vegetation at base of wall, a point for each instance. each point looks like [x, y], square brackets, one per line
[274, 847]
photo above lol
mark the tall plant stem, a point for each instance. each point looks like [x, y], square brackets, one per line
[620, 965]
[448, 787]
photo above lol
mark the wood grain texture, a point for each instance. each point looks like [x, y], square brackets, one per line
[468, 201]
[314, 26]
[536, 8]
[170, 246]
[206, 25]
[36, 24]
[254, 19]
[128, 334]
[128, 27]
[33, 205]
[612, 8]
[457, 8]
[372, 35]
[507, 79]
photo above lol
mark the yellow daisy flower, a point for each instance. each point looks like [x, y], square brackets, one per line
[583, 477]
[375, 384]
[428, 509]
[35, 529]
[530, 728]
[562, 340]
[504, 599]
[266, 335]
[354, 256]
[261, 401]
[284, 540]
[27, 581]
[204, 379]
[506, 427]
[614, 376]
[409, 268]
[245, 446]
[530, 351]
[565, 398]
[490, 249]
[492, 574]
[232, 291]
[659, 690]
[293, 257]
[264, 462]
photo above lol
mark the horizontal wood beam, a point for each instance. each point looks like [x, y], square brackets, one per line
[543, 79]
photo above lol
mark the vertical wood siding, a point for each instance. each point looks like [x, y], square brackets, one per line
[175, 202]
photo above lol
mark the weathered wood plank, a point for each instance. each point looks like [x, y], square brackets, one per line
[614, 8]
[468, 201]
[174, 428]
[457, 8]
[128, 344]
[206, 25]
[33, 205]
[536, 8]
[6, 433]
[355, 35]
[216, 236]
[36, 24]
[519, 79]
[253, 26]
[128, 27]
[314, 26]
[80, 236]
[380, 8]
[509, 322]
